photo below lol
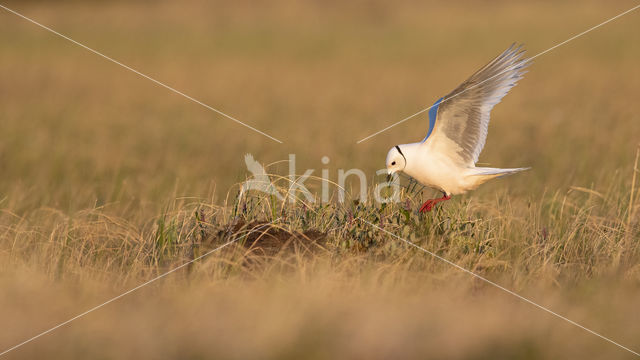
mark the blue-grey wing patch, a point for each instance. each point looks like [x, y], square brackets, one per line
[433, 112]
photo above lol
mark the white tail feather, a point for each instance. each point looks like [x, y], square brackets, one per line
[495, 172]
[477, 176]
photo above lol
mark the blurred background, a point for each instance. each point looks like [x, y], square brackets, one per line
[89, 146]
[77, 130]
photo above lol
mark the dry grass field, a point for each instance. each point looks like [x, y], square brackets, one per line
[108, 180]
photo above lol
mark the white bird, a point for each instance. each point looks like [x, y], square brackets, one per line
[445, 159]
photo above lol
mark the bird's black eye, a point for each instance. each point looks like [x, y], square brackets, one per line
[393, 163]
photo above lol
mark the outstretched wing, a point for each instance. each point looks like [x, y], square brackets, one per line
[458, 123]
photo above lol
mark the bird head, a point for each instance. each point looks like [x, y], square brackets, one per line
[395, 160]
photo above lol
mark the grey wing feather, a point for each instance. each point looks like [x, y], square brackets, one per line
[463, 115]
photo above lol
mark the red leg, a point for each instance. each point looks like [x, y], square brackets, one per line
[426, 206]
[431, 203]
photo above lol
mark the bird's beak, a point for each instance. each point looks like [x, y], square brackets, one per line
[389, 175]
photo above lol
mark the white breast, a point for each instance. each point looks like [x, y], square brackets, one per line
[438, 171]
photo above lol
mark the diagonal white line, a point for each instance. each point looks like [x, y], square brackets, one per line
[141, 74]
[500, 73]
[499, 286]
[135, 288]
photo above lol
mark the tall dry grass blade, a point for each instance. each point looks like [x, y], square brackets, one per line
[587, 191]
[633, 185]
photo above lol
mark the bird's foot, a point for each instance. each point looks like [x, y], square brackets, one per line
[431, 203]
[427, 206]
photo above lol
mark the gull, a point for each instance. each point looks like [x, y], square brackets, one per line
[458, 123]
